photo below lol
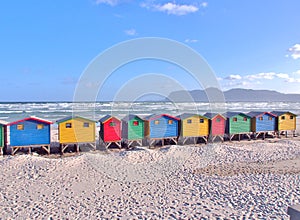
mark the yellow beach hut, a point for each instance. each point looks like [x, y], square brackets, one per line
[285, 122]
[76, 131]
[193, 126]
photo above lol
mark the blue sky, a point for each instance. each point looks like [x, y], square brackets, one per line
[46, 45]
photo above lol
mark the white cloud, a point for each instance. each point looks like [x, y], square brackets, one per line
[283, 75]
[269, 75]
[130, 32]
[204, 4]
[172, 8]
[108, 2]
[297, 72]
[233, 77]
[292, 80]
[295, 51]
[191, 41]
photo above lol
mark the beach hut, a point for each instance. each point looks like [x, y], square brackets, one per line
[132, 130]
[29, 133]
[2, 136]
[76, 131]
[262, 123]
[193, 126]
[285, 121]
[237, 124]
[161, 127]
[110, 131]
[217, 124]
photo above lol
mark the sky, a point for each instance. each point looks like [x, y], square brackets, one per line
[46, 46]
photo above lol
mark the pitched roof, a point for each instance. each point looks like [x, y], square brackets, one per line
[188, 115]
[211, 115]
[278, 113]
[154, 116]
[258, 114]
[107, 117]
[130, 117]
[3, 122]
[72, 117]
[31, 118]
[232, 114]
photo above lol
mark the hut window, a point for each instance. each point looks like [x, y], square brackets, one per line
[235, 119]
[135, 123]
[270, 118]
[291, 117]
[86, 124]
[40, 126]
[156, 122]
[189, 121]
[283, 117]
[112, 124]
[68, 125]
[20, 127]
[261, 118]
[245, 119]
[218, 120]
[201, 120]
[170, 122]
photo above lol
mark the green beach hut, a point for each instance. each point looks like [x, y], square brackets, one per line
[2, 135]
[133, 130]
[238, 123]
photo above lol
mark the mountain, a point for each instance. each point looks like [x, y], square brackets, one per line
[233, 95]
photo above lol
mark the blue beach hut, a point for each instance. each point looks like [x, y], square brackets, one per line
[29, 132]
[262, 123]
[161, 127]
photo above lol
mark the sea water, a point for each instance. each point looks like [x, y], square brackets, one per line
[56, 110]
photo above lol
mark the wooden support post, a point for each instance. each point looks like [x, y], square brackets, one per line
[46, 148]
[174, 140]
[1, 150]
[64, 147]
[239, 137]
[249, 136]
[214, 137]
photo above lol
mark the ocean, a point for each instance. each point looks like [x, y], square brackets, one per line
[11, 111]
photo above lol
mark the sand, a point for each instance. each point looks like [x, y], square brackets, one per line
[247, 179]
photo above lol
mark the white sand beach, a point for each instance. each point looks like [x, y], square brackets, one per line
[250, 179]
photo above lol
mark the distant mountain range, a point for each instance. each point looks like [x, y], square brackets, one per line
[233, 95]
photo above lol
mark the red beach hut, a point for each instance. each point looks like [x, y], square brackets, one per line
[110, 130]
[217, 125]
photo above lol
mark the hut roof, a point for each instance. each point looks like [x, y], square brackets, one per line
[3, 122]
[72, 117]
[212, 115]
[258, 114]
[31, 118]
[188, 115]
[232, 114]
[107, 117]
[130, 117]
[154, 116]
[278, 113]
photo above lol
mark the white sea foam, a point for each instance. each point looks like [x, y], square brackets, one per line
[54, 111]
